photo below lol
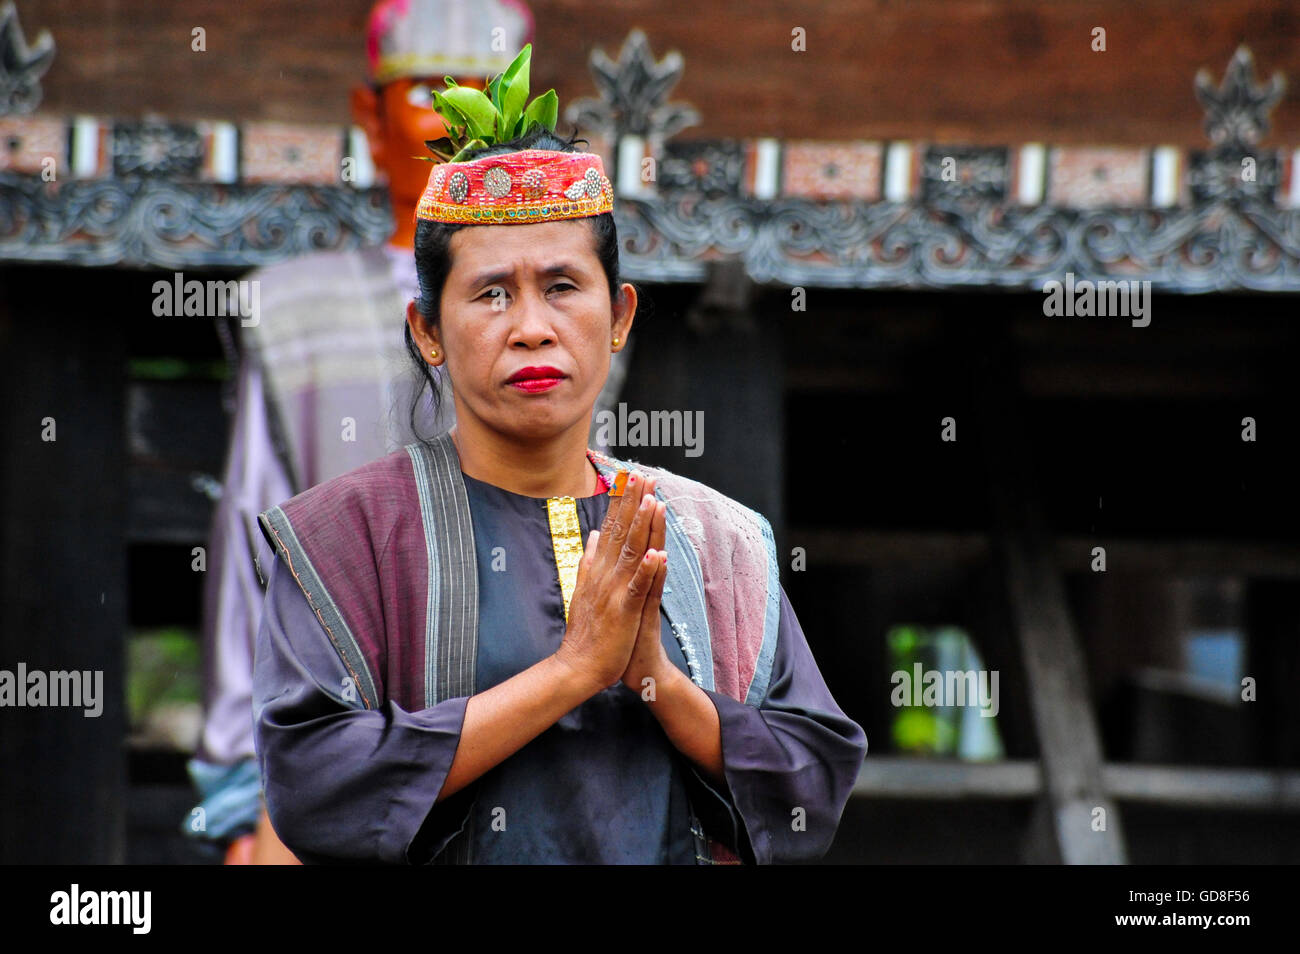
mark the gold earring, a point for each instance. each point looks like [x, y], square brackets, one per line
[433, 354]
[615, 342]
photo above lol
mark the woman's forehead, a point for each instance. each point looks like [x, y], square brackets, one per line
[529, 247]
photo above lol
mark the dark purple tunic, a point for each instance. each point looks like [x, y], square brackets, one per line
[602, 785]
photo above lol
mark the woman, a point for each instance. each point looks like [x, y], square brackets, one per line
[446, 673]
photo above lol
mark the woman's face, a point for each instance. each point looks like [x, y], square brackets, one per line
[527, 297]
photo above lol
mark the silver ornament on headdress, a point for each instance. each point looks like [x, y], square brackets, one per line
[458, 188]
[533, 183]
[589, 185]
[497, 181]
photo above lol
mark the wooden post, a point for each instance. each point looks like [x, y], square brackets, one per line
[62, 565]
[1054, 664]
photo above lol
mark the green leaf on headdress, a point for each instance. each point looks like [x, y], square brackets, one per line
[514, 90]
[451, 116]
[476, 119]
[479, 113]
[545, 109]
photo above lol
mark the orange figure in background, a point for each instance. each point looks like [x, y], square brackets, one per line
[398, 119]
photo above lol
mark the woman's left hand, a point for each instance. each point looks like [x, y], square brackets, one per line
[649, 662]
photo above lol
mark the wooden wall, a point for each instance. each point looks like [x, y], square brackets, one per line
[974, 71]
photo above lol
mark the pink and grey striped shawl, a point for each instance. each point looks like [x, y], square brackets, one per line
[385, 556]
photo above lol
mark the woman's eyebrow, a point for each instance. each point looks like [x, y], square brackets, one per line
[498, 274]
[562, 268]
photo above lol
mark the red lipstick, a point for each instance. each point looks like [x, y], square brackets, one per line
[534, 380]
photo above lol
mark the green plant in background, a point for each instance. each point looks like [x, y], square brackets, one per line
[916, 729]
[943, 730]
[477, 119]
[164, 668]
[924, 730]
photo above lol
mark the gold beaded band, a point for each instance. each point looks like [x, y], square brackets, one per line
[566, 539]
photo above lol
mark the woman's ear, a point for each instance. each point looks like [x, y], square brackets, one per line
[624, 314]
[425, 334]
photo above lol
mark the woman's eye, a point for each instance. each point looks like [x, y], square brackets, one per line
[500, 294]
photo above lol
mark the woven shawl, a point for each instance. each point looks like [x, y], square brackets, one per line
[398, 596]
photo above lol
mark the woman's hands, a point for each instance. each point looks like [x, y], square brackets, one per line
[649, 663]
[616, 577]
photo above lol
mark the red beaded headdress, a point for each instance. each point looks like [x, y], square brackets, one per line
[514, 188]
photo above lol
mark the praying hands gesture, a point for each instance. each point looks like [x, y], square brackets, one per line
[614, 623]
[613, 629]
[649, 663]
[612, 634]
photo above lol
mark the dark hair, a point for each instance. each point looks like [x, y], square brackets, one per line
[433, 258]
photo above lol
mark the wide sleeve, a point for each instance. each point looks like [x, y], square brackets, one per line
[789, 764]
[345, 784]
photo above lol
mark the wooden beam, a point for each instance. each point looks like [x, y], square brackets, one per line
[1068, 735]
[1183, 557]
[972, 71]
[1194, 787]
[889, 548]
[892, 548]
[947, 780]
[1173, 786]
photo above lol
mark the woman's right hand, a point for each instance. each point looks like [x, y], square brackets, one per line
[614, 579]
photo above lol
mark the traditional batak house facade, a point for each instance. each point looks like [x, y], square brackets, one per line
[991, 311]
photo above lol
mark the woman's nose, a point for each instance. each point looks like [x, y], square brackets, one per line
[532, 324]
